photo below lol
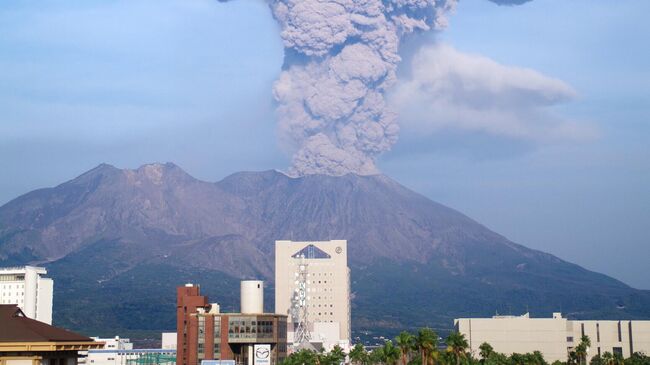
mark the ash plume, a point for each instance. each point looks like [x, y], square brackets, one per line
[340, 58]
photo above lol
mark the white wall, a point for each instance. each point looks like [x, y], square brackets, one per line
[517, 335]
[252, 296]
[44, 300]
[169, 340]
[33, 293]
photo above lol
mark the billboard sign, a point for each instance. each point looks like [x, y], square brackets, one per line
[262, 355]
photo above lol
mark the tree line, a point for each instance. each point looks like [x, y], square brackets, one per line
[422, 348]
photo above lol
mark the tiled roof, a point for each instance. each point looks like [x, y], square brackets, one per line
[16, 327]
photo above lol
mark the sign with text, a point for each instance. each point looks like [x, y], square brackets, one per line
[262, 355]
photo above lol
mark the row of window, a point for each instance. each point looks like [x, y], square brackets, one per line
[9, 286]
[8, 294]
[18, 277]
[324, 306]
[9, 301]
[216, 337]
[316, 274]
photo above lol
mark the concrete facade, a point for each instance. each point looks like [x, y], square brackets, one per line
[328, 284]
[252, 296]
[554, 337]
[168, 340]
[27, 287]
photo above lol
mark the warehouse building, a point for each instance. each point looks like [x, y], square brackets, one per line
[555, 337]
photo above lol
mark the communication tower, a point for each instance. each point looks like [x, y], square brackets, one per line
[299, 305]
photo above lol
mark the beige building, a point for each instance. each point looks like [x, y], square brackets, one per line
[327, 288]
[554, 337]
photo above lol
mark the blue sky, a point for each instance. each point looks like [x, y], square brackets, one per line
[132, 82]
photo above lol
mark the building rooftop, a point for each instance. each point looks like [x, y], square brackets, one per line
[22, 269]
[231, 314]
[16, 327]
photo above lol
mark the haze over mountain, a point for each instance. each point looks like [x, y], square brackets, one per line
[117, 241]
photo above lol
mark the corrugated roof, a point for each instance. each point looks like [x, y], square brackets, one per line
[16, 327]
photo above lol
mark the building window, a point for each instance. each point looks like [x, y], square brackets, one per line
[619, 332]
[569, 339]
[201, 338]
[617, 351]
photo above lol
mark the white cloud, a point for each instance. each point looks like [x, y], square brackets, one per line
[452, 90]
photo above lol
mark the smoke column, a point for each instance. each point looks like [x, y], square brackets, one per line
[340, 58]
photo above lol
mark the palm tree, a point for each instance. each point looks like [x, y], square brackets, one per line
[302, 357]
[486, 350]
[376, 356]
[336, 356]
[389, 354]
[457, 345]
[405, 342]
[358, 355]
[582, 348]
[608, 358]
[426, 342]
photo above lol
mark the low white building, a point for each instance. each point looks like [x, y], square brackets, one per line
[115, 343]
[120, 351]
[168, 341]
[131, 357]
[554, 337]
[27, 287]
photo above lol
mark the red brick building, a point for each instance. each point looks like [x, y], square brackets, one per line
[205, 334]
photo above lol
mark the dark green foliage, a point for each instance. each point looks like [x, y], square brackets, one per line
[307, 357]
[637, 359]
[457, 353]
[149, 305]
[579, 354]
[457, 346]
[359, 355]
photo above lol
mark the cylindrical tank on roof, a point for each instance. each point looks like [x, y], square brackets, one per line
[252, 296]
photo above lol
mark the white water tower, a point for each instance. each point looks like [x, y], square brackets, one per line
[252, 296]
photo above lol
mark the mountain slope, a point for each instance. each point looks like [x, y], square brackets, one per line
[111, 233]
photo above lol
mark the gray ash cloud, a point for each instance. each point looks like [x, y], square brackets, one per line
[341, 56]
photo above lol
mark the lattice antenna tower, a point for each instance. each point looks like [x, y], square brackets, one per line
[299, 305]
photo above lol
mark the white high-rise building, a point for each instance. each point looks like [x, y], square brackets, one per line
[26, 287]
[322, 268]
